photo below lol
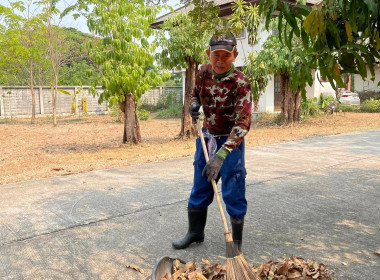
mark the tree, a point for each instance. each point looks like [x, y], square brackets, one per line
[124, 56]
[56, 47]
[340, 36]
[23, 45]
[293, 69]
[184, 39]
[247, 16]
[273, 59]
[77, 62]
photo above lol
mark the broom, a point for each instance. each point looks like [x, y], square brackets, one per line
[237, 267]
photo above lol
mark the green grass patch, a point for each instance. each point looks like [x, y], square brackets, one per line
[174, 111]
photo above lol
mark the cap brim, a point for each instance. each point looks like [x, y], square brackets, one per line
[227, 48]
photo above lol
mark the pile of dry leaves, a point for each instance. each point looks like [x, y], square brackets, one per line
[294, 268]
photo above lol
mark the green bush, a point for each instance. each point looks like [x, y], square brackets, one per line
[368, 94]
[325, 102]
[370, 106]
[347, 108]
[310, 107]
[143, 114]
[116, 112]
[277, 120]
[174, 111]
[165, 100]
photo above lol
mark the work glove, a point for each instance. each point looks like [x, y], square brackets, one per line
[212, 168]
[194, 111]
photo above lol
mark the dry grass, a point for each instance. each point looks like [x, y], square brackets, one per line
[95, 142]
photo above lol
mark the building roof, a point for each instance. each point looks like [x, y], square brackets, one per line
[225, 9]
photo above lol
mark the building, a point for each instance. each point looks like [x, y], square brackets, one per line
[270, 101]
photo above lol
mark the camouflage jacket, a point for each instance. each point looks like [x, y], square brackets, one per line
[227, 104]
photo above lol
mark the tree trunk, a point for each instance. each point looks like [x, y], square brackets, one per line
[54, 98]
[33, 120]
[297, 105]
[188, 129]
[291, 101]
[131, 132]
[284, 95]
[256, 106]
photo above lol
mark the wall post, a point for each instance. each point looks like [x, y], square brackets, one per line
[41, 100]
[1, 102]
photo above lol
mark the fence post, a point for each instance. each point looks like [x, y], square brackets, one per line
[183, 87]
[2, 113]
[41, 100]
[76, 101]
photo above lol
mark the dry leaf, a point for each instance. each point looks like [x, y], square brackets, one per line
[377, 252]
[294, 274]
[57, 169]
[199, 276]
[135, 267]
[167, 277]
[283, 270]
[294, 268]
[206, 262]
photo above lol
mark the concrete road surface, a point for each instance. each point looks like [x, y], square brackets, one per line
[315, 198]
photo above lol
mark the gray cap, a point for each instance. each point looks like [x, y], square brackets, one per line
[226, 43]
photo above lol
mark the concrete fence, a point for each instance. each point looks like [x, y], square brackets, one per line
[16, 101]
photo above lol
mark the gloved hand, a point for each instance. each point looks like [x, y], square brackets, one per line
[194, 111]
[212, 168]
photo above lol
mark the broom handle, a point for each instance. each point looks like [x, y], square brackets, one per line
[227, 233]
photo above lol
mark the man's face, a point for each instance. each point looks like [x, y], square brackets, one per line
[221, 60]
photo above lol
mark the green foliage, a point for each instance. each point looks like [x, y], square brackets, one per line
[277, 120]
[368, 94]
[69, 74]
[174, 111]
[123, 53]
[245, 16]
[340, 36]
[116, 112]
[77, 62]
[175, 79]
[73, 96]
[280, 60]
[370, 106]
[166, 100]
[325, 102]
[347, 108]
[142, 114]
[310, 107]
[22, 44]
[257, 73]
[180, 42]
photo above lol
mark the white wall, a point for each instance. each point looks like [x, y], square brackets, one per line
[244, 48]
[319, 87]
[367, 84]
[266, 103]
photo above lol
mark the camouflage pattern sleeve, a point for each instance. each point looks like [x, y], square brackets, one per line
[243, 110]
[195, 93]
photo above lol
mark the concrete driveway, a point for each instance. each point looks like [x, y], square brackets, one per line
[315, 198]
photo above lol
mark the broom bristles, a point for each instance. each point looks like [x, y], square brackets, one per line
[237, 268]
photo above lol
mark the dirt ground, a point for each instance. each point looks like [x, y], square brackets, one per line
[95, 142]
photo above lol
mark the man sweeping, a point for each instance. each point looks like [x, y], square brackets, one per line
[225, 96]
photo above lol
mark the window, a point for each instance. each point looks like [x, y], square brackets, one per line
[277, 84]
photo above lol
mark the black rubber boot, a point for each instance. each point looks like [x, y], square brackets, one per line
[237, 232]
[197, 222]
